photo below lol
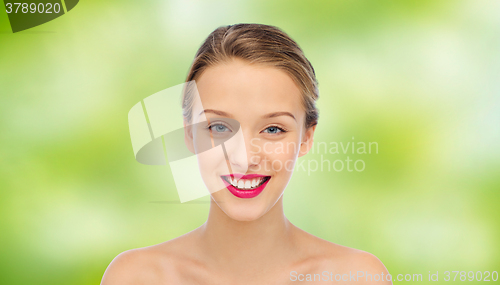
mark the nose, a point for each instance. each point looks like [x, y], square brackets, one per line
[240, 152]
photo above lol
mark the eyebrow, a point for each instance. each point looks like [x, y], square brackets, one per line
[270, 115]
[277, 114]
[217, 112]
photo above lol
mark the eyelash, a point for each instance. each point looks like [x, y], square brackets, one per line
[214, 124]
[282, 130]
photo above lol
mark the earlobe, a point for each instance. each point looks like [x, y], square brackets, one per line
[188, 137]
[307, 141]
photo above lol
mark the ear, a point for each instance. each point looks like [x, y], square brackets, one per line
[307, 141]
[188, 137]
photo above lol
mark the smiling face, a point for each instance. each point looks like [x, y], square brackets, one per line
[261, 108]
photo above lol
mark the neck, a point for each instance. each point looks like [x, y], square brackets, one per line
[233, 243]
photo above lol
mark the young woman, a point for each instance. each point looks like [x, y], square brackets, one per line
[255, 80]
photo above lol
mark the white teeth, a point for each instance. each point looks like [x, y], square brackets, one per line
[232, 181]
[241, 184]
[245, 184]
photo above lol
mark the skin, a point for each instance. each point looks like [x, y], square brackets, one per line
[246, 241]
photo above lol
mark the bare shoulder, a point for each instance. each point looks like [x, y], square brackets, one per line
[342, 263]
[354, 259]
[132, 267]
[150, 265]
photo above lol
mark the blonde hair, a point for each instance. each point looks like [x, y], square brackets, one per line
[260, 44]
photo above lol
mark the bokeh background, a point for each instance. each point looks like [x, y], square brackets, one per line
[419, 77]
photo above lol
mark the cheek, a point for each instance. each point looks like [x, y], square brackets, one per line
[281, 156]
[209, 155]
[212, 164]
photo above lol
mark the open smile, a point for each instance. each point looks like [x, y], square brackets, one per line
[245, 186]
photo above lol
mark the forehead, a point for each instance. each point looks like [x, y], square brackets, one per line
[244, 88]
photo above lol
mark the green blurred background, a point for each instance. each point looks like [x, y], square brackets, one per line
[419, 77]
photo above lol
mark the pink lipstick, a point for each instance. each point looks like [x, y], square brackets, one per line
[245, 186]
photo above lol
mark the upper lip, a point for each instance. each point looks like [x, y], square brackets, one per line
[245, 176]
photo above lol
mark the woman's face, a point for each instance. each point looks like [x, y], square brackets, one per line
[258, 110]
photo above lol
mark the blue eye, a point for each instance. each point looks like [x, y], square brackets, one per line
[219, 128]
[273, 130]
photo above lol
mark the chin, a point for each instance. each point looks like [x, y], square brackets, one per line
[243, 211]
